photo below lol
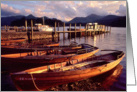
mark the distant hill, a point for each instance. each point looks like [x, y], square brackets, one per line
[20, 20]
[90, 18]
[110, 20]
[8, 20]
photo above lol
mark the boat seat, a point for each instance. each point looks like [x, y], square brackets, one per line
[69, 51]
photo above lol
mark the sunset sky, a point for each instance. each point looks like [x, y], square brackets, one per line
[63, 10]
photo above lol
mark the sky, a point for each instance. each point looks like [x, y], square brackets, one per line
[63, 10]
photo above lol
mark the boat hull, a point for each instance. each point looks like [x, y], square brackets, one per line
[11, 49]
[6, 41]
[19, 64]
[42, 81]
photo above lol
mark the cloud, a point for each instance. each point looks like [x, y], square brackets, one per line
[122, 10]
[8, 10]
[28, 11]
[63, 10]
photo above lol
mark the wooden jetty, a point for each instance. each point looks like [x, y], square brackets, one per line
[90, 29]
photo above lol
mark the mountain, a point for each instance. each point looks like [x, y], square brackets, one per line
[8, 20]
[30, 17]
[20, 20]
[93, 18]
[90, 18]
[110, 20]
[113, 20]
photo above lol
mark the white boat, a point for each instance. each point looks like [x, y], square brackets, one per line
[46, 28]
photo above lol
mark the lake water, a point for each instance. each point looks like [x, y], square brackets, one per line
[116, 40]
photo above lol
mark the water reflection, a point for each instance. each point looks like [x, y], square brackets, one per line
[116, 40]
[95, 39]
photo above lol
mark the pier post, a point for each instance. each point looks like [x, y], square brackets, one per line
[17, 29]
[5, 27]
[9, 27]
[58, 32]
[70, 31]
[55, 28]
[58, 36]
[90, 31]
[86, 30]
[75, 31]
[31, 30]
[54, 31]
[110, 28]
[105, 28]
[94, 32]
[64, 31]
[100, 29]
[80, 30]
[58, 26]
[43, 21]
[14, 28]
[26, 25]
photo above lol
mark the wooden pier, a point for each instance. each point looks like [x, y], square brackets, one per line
[90, 29]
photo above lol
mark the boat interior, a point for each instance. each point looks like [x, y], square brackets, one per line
[70, 66]
[51, 53]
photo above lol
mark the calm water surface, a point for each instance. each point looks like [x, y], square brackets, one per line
[116, 40]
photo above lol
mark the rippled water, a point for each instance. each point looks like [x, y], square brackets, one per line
[116, 40]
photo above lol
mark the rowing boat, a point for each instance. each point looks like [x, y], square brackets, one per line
[42, 78]
[25, 47]
[5, 41]
[38, 58]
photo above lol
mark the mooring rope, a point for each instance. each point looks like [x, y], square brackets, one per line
[119, 55]
[35, 83]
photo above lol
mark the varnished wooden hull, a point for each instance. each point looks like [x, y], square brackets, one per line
[42, 81]
[54, 44]
[18, 64]
[8, 41]
[10, 49]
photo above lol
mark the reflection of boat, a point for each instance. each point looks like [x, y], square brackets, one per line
[45, 28]
[42, 78]
[95, 40]
[39, 58]
[5, 41]
[112, 77]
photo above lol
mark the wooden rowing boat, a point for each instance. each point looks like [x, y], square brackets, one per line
[5, 41]
[25, 47]
[39, 58]
[42, 78]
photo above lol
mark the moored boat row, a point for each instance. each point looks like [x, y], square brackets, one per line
[50, 56]
[40, 67]
[42, 78]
